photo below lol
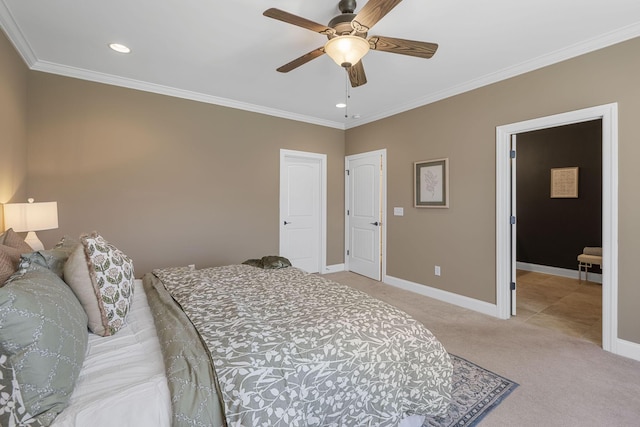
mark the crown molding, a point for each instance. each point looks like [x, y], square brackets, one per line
[11, 29]
[587, 46]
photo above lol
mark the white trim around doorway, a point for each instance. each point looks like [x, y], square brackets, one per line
[608, 113]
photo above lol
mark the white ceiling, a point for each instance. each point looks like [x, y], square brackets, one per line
[226, 52]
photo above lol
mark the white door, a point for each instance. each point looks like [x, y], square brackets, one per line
[364, 214]
[302, 207]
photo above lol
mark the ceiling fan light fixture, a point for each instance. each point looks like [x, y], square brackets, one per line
[347, 50]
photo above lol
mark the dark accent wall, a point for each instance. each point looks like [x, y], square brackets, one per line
[552, 232]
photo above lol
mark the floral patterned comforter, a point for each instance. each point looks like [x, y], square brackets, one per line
[294, 349]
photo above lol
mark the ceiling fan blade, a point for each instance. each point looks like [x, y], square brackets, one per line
[403, 47]
[357, 77]
[289, 18]
[301, 60]
[371, 13]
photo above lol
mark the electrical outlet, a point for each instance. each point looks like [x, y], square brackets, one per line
[437, 270]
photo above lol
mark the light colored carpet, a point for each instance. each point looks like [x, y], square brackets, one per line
[564, 381]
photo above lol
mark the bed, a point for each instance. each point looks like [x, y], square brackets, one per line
[234, 345]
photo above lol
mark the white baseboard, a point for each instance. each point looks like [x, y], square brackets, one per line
[333, 268]
[556, 271]
[628, 349]
[445, 296]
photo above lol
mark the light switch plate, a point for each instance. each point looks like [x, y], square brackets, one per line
[398, 211]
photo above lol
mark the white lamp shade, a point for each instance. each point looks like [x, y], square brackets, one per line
[31, 216]
[346, 50]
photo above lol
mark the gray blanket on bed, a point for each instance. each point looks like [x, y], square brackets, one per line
[294, 349]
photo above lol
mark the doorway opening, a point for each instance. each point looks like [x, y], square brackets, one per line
[505, 224]
[554, 227]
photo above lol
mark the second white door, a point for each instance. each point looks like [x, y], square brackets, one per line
[364, 214]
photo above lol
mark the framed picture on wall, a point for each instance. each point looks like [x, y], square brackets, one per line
[564, 183]
[431, 183]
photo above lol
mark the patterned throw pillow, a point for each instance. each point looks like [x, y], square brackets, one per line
[254, 263]
[269, 262]
[274, 261]
[102, 277]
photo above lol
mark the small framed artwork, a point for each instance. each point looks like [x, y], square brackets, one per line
[431, 183]
[564, 183]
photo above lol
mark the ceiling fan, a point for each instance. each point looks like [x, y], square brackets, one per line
[347, 34]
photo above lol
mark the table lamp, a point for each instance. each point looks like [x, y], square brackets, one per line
[31, 217]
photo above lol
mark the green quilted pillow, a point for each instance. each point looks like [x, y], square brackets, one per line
[55, 258]
[43, 333]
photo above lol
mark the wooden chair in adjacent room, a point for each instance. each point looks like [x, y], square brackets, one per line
[589, 257]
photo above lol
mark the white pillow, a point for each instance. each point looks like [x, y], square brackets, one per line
[102, 277]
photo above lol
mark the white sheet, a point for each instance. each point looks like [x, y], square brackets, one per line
[122, 381]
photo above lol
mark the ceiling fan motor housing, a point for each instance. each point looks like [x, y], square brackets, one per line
[342, 22]
[347, 6]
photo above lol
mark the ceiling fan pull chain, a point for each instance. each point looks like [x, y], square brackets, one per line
[346, 93]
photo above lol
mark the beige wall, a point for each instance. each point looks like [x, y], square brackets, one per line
[169, 181]
[13, 124]
[462, 238]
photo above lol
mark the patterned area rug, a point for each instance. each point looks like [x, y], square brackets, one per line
[475, 392]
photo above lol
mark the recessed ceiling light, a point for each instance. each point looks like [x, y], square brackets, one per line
[119, 48]
[341, 105]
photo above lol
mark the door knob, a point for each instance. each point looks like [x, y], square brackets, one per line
[375, 223]
[285, 223]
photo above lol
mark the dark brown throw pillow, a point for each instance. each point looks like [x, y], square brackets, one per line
[11, 247]
[13, 240]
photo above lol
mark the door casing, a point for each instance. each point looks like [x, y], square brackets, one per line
[608, 113]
